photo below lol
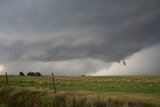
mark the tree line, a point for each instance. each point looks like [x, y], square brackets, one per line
[30, 73]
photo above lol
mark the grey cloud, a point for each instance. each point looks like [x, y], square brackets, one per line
[114, 32]
[53, 30]
[71, 67]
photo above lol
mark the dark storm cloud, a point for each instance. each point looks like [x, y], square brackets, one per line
[54, 30]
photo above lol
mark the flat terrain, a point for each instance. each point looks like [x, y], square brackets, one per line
[124, 90]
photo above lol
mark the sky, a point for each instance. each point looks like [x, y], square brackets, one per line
[80, 37]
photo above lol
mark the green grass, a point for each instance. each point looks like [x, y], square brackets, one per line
[141, 91]
[146, 84]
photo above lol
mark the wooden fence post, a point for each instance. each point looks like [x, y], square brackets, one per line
[54, 86]
[6, 78]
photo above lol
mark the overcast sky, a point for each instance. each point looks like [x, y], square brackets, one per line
[75, 37]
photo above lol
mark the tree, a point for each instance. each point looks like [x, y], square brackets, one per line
[33, 74]
[21, 73]
[37, 74]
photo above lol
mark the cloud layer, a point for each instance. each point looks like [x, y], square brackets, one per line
[53, 30]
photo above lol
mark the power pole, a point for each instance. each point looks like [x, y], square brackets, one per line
[54, 86]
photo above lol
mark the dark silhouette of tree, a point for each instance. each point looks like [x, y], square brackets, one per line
[34, 73]
[21, 73]
[37, 74]
[31, 73]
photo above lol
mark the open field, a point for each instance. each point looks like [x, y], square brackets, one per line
[125, 91]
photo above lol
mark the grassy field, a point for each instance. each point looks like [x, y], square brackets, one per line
[123, 91]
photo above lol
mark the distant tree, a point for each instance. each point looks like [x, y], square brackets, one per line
[21, 73]
[33, 74]
[29, 73]
[37, 74]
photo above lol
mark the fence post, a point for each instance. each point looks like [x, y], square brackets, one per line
[6, 78]
[54, 86]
